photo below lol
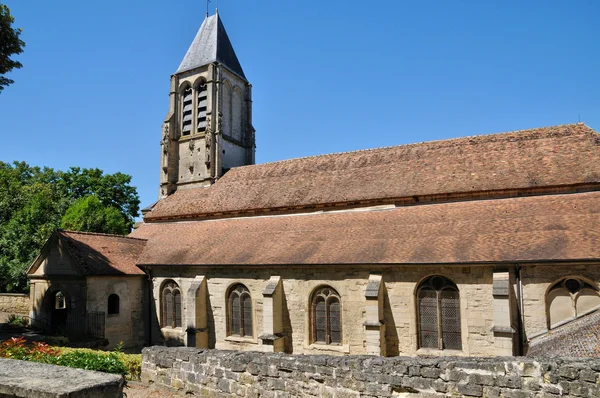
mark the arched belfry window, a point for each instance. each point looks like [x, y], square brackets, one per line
[201, 106]
[326, 316]
[171, 305]
[438, 307]
[187, 111]
[239, 317]
[570, 298]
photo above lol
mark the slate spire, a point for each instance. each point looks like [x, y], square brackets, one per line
[211, 44]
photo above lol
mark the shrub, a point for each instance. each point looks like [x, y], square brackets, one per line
[16, 322]
[128, 365]
[110, 363]
[132, 362]
[57, 341]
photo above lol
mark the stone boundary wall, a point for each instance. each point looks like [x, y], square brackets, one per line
[12, 303]
[254, 374]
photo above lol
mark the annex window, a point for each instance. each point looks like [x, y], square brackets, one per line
[201, 101]
[438, 307]
[113, 304]
[570, 298]
[326, 316]
[60, 302]
[171, 305]
[239, 315]
[187, 111]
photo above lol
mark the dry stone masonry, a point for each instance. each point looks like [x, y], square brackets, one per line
[252, 374]
[11, 303]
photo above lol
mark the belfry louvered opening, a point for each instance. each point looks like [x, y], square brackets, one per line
[201, 101]
[326, 316]
[171, 305]
[438, 310]
[187, 112]
[240, 311]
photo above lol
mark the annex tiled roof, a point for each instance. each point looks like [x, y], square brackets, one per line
[564, 155]
[579, 338]
[539, 228]
[101, 254]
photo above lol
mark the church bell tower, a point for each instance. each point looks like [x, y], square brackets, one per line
[208, 129]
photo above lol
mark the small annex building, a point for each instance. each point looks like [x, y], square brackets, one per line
[86, 284]
[472, 246]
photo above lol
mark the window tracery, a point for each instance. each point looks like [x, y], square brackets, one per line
[438, 311]
[326, 316]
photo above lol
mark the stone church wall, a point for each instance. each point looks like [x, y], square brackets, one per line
[253, 374]
[128, 325]
[399, 303]
[537, 279]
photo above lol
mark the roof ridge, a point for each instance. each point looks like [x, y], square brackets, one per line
[446, 140]
[100, 234]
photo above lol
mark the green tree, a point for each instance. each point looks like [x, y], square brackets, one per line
[33, 201]
[10, 44]
[89, 214]
[113, 190]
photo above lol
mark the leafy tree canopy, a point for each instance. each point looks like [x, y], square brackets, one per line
[33, 201]
[90, 215]
[10, 44]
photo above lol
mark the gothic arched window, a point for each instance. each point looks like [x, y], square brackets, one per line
[171, 305]
[326, 316]
[113, 304]
[239, 306]
[186, 111]
[201, 104]
[60, 302]
[438, 308]
[570, 298]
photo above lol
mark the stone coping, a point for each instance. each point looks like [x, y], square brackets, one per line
[32, 379]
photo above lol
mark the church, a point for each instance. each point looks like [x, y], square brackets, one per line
[475, 246]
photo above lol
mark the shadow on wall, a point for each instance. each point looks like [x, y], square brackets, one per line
[391, 333]
[210, 322]
[287, 325]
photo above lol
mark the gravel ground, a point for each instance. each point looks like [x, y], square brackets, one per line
[140, 390]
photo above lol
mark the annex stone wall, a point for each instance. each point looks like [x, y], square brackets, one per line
[218, 373]
[12, 303]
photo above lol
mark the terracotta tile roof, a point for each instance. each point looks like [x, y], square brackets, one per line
[579, 338]
[101, 254]
[528, 159]
[550, 227]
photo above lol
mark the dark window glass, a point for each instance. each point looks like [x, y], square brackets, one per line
[169, 308]
[320, 321]
[450, 319]
[177, 296]
[113, 304]
[428, 320]
[247, 312]
[171, 305]
[335, 327]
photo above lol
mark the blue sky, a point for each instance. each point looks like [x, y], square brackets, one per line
[328, 76]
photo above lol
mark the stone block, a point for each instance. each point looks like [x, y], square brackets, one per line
[430, 373]
[471, 390]
[568, 373]
[588, 375]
